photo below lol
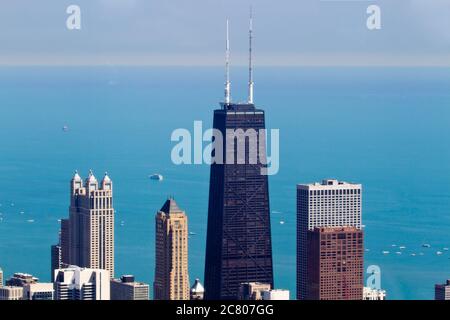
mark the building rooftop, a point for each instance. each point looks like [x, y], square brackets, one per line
[197, 287]
[329, 183]
[170, 206]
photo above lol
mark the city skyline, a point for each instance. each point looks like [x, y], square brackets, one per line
[380, 128]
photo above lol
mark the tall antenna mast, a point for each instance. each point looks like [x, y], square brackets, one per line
[250, 60]
[227, 68]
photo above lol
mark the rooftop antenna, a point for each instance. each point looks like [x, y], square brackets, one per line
[227, 68]
[250, 60]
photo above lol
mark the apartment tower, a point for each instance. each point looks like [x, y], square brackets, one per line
[331, 203]
[171, 249]
[88, 234]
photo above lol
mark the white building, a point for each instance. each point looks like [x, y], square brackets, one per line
[1, 277]
[373, 294]
[11, 293]
[276, 295]
[38, 291]
[75, 283]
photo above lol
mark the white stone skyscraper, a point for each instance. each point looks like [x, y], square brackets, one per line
[331, 203]
[91, 224]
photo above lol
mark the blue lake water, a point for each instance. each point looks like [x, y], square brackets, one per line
[387, 128]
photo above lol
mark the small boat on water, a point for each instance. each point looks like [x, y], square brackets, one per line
[393, 246]
[402, 248]
[192, 233]
[282, 222]
[413, 254]
[439, 253]
[386, 252]
[30, 221]
[65, 128]
[426, 245]
[156, 177]
[445, 249]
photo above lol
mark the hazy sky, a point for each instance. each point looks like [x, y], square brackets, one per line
[191, 32]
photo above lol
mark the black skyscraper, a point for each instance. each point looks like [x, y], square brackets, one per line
[239, 245]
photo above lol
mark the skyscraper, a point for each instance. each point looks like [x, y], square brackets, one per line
[90, 229]
[55, 255]
[442, 291]
[75, 283]
[331, 203]
[171, 249]
[64, 237]
[335, 263]
[239, 245]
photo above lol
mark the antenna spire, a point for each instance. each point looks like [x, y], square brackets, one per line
[250, 59]
[227, 68]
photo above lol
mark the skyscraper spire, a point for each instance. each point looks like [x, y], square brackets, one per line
[227, 68]
[250, 60]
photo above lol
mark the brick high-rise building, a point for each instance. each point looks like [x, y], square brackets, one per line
[335, 263]
[171, 249]
[331, 203]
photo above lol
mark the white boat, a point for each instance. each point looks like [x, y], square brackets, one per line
[393, 246]
[439, 253]
[156, 177]
[413, 254]
[30, 221]
[65, 128]
[386, 252]
[398, 253]
[426, 245]
[445, 249]
[282, 222]
[402, 247]
[192, 233]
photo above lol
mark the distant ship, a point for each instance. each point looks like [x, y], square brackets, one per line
[281, 222]
[402, 247]
[65, 128]
[413, 254]
[30, 221]
[192, 233]
[156, 177]
[426, 245]
[386, 252]
[439, 253]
